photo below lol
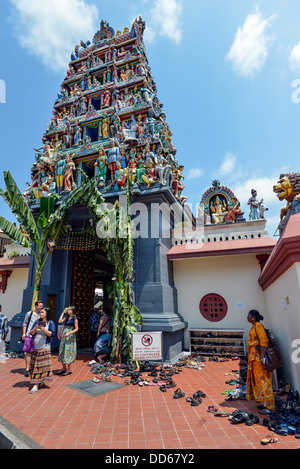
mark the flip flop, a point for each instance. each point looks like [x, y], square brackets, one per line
[269, 439]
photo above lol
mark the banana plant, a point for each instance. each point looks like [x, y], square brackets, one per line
[119, 251]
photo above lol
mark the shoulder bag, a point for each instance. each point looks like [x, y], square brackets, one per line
[272, 360]
[28, 346]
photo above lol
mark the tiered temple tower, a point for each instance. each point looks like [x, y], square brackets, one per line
[108, 122]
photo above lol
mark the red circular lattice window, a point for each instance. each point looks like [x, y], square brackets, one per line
[213, 307]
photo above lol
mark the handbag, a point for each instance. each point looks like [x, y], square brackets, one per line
[28, 346]
[60, 330]
[28, 342]
[272, 360]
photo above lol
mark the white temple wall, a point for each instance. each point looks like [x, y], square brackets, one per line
[283, 306]
[235, 278]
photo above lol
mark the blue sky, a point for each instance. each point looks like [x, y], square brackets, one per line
[226, 73]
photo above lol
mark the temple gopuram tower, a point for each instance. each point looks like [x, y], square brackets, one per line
[109, 122]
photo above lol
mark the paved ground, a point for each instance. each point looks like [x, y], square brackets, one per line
[133, 417]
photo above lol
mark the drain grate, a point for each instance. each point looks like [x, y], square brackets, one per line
[95, 389]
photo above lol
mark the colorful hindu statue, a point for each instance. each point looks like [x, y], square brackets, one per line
[120, 177]
[219, 211]
[233, 209]
[141, 167]
[69, 172]
[60, 173]
[102, 164]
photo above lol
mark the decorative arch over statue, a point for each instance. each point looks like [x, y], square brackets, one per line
[220, 205]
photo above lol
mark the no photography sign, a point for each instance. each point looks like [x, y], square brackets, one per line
[146, 346]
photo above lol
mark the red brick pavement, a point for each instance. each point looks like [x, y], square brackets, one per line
[133, 417]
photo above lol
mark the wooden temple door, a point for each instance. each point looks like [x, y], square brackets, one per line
[83, 293]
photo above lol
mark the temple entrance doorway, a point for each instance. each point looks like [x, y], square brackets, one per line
[92, 273]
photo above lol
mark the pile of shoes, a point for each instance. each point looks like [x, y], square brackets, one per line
[243, 416]
[193, 360]
[5, 355]
[160, 374]
[285, 420]
[102, 372]
[239, 392]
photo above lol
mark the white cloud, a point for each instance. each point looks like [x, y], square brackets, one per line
[194, 173]
[263, 186]
[294, 58]
[250, 48]
[228, 165]
[165, 20]
[50, 29]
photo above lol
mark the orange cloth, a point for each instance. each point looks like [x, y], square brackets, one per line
[259, 380]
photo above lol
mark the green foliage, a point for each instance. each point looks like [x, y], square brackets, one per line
[13, 254]
[18, 206]
[14, 232]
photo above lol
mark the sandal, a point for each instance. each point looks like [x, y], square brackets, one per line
[163, 388]
[199, 394]
[195, 402]
[212, 409]
[170, 384]
[269, 439]
[178, 394]
[253, 419]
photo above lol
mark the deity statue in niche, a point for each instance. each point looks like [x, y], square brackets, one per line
[233, 210]
[218, 208]
[60, 173]
[68, 176]
[102, 164]
[120, 176]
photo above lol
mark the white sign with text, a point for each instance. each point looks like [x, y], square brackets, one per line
[146, 346]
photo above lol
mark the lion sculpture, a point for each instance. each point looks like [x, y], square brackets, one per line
[287, 188]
